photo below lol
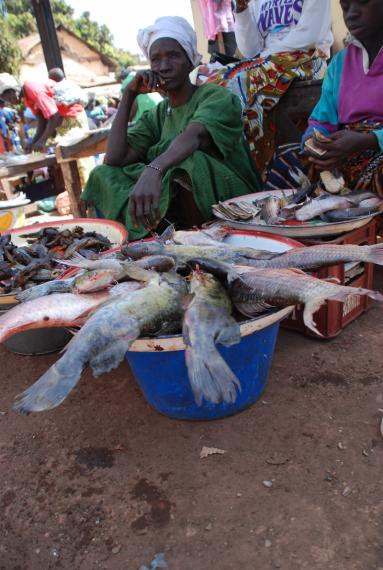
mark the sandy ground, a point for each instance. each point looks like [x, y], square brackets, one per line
[106, 482]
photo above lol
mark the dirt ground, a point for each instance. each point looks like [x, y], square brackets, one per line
[105, 482]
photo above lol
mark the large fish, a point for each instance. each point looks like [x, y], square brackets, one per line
[322, 255]
[252, 288]
[105, 338]
[182, 253]
[208, 321]
[57, 310]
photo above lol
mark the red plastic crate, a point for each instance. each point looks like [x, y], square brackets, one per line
[334, 316]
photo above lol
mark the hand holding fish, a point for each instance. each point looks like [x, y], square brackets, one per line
[144, 201]
[340, 145]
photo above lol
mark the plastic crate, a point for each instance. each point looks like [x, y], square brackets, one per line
[334, 316]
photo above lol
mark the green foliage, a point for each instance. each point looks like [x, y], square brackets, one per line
[10, 54]
[21, 23]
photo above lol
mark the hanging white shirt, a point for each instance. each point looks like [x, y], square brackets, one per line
[274, 26]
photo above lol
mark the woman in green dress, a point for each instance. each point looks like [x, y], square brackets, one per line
[179, 158]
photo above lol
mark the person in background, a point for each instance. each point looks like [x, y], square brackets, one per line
[281, 41]
[95, 112]
[345, 130]
[181, 157]
[39, 97]
[219, 26]
[143, 102]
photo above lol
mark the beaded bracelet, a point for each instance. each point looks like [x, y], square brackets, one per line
[155, 168]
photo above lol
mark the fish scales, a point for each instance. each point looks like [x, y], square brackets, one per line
[317, 256]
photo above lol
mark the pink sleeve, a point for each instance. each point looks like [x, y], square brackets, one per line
[40, 97]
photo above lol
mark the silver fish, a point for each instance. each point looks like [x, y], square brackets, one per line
[319, 206]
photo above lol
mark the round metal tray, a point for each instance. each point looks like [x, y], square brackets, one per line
[300, 230]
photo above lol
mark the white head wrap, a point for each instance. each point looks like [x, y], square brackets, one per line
[172, 27]
[7, 81]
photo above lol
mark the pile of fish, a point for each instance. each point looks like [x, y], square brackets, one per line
[310, 205]
[40, 259]
[191, 283]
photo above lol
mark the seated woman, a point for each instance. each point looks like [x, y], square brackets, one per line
[179, 158]
[282, 41]
[349, 112]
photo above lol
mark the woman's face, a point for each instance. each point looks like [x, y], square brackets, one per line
[169, 60]
[363, 18]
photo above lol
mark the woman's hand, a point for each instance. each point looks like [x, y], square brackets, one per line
[144, 201]
[340, 146]
[241, 5]
[144, 82]
[38, 146]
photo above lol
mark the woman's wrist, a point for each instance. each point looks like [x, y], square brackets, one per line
[156, 168]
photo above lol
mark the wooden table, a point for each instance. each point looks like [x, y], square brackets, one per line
[17, 168]
[67, 156]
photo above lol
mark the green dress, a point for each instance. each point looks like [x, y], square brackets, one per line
[230, 174]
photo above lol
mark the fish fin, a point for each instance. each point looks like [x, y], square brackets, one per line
[230, 335]
[50, 390]
[112, 355]
[167, 235]
[310, 308]
[252, 309]
[297, 271]
[375, 254]
[210, 377]
[77, 260]
[187, 299]
[334, 280]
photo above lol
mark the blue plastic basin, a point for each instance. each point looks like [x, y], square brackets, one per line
[159, 367]
[163, 378]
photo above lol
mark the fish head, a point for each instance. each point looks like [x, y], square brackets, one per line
[94, 280]
[141, 249]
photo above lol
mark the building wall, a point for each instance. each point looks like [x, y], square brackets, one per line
[81, 64]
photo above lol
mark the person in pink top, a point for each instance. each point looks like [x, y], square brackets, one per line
[40, 98]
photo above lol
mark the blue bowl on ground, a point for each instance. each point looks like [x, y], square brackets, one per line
[159, 367]
[160, 370]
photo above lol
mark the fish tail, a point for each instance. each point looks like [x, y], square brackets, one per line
[375, 254]
[346, 291]
[167, 235]
[310, 308]
[77, 260]
[51, 389]
[210, 377]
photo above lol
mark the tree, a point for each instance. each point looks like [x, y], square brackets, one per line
[10, 54]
